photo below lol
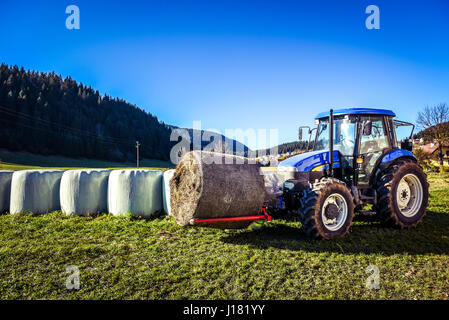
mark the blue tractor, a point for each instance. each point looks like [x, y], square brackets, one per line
[356, 161]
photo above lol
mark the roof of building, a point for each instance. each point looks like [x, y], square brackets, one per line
[338, 112]
[432, 147]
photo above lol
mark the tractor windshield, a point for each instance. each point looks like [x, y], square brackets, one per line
[344, 135]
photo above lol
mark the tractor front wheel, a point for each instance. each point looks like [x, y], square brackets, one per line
[402, 195]
[327, 209]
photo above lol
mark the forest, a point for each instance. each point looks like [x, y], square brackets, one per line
[294, 146]
[43, 113]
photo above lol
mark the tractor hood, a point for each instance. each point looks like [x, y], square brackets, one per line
[305, 162]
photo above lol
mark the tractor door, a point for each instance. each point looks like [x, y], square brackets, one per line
[373, 140]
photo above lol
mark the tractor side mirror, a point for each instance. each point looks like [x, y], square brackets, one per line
[407, 145]
[300, 134]
[367, 128]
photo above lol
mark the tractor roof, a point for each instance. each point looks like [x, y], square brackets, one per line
[340, 112]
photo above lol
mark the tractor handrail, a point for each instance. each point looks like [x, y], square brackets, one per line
[331, 143]
[400, 123]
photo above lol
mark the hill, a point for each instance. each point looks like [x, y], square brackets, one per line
[439, 131]
[290, 147]
[44, 114]
[228, 145]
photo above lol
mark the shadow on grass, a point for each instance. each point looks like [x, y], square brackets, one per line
[365, 237]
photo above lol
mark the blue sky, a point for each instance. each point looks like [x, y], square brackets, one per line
[240, 64]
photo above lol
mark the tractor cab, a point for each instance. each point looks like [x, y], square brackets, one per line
[354, 159]
[360, 140]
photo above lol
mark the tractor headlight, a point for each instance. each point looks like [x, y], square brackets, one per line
[289, 185]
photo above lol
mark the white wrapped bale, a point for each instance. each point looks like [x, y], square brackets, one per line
[274, 182]
[273, 187]
[35, 191]
[5, 189]
[286, 172]
[84, 192]
[135, 191]
[166, 190]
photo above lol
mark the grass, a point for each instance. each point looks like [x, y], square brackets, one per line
[24, 160]
[130, 258]
[17, 167]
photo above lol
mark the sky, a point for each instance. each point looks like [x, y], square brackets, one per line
[240, 64]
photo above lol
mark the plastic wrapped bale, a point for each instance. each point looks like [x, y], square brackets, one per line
[135, 191]
[5, 189]
[166, 190]
[286, 173]
[274, 182]
[84, 192]
[35, 191]
[273, 187]
[228, 186]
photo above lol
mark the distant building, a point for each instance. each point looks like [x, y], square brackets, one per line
[432, 149]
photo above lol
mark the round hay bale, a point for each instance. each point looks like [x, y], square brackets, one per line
[35, 191]
[201, 189]
[84, 192]
[166, 190]
[5, 189]
[135, 191]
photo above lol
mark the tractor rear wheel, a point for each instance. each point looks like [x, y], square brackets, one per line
[326, 209]
[402, 195]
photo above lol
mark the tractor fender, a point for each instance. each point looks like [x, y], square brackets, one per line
[392, 156]
[396, 154]
[311, 161]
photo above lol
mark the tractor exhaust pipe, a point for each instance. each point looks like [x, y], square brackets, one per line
[331, 143]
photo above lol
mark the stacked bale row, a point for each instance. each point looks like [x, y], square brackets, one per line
[35, 191]
[198, 189]
[5, 189]
[83, 192]
[168, 175]
[135, 191]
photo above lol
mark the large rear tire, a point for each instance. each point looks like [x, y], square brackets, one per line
[402, 195]
[326, 209]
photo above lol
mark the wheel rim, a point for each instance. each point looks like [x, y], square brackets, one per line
[409, 195]
[334, 223]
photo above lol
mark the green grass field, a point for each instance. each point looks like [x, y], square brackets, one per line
[130, 258]
[24, 160]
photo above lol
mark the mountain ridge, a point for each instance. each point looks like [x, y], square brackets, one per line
[46, 114]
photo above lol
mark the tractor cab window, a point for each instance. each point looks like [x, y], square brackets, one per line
[376, 140]
[344, 135]
[392, 131]
[373, 140]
